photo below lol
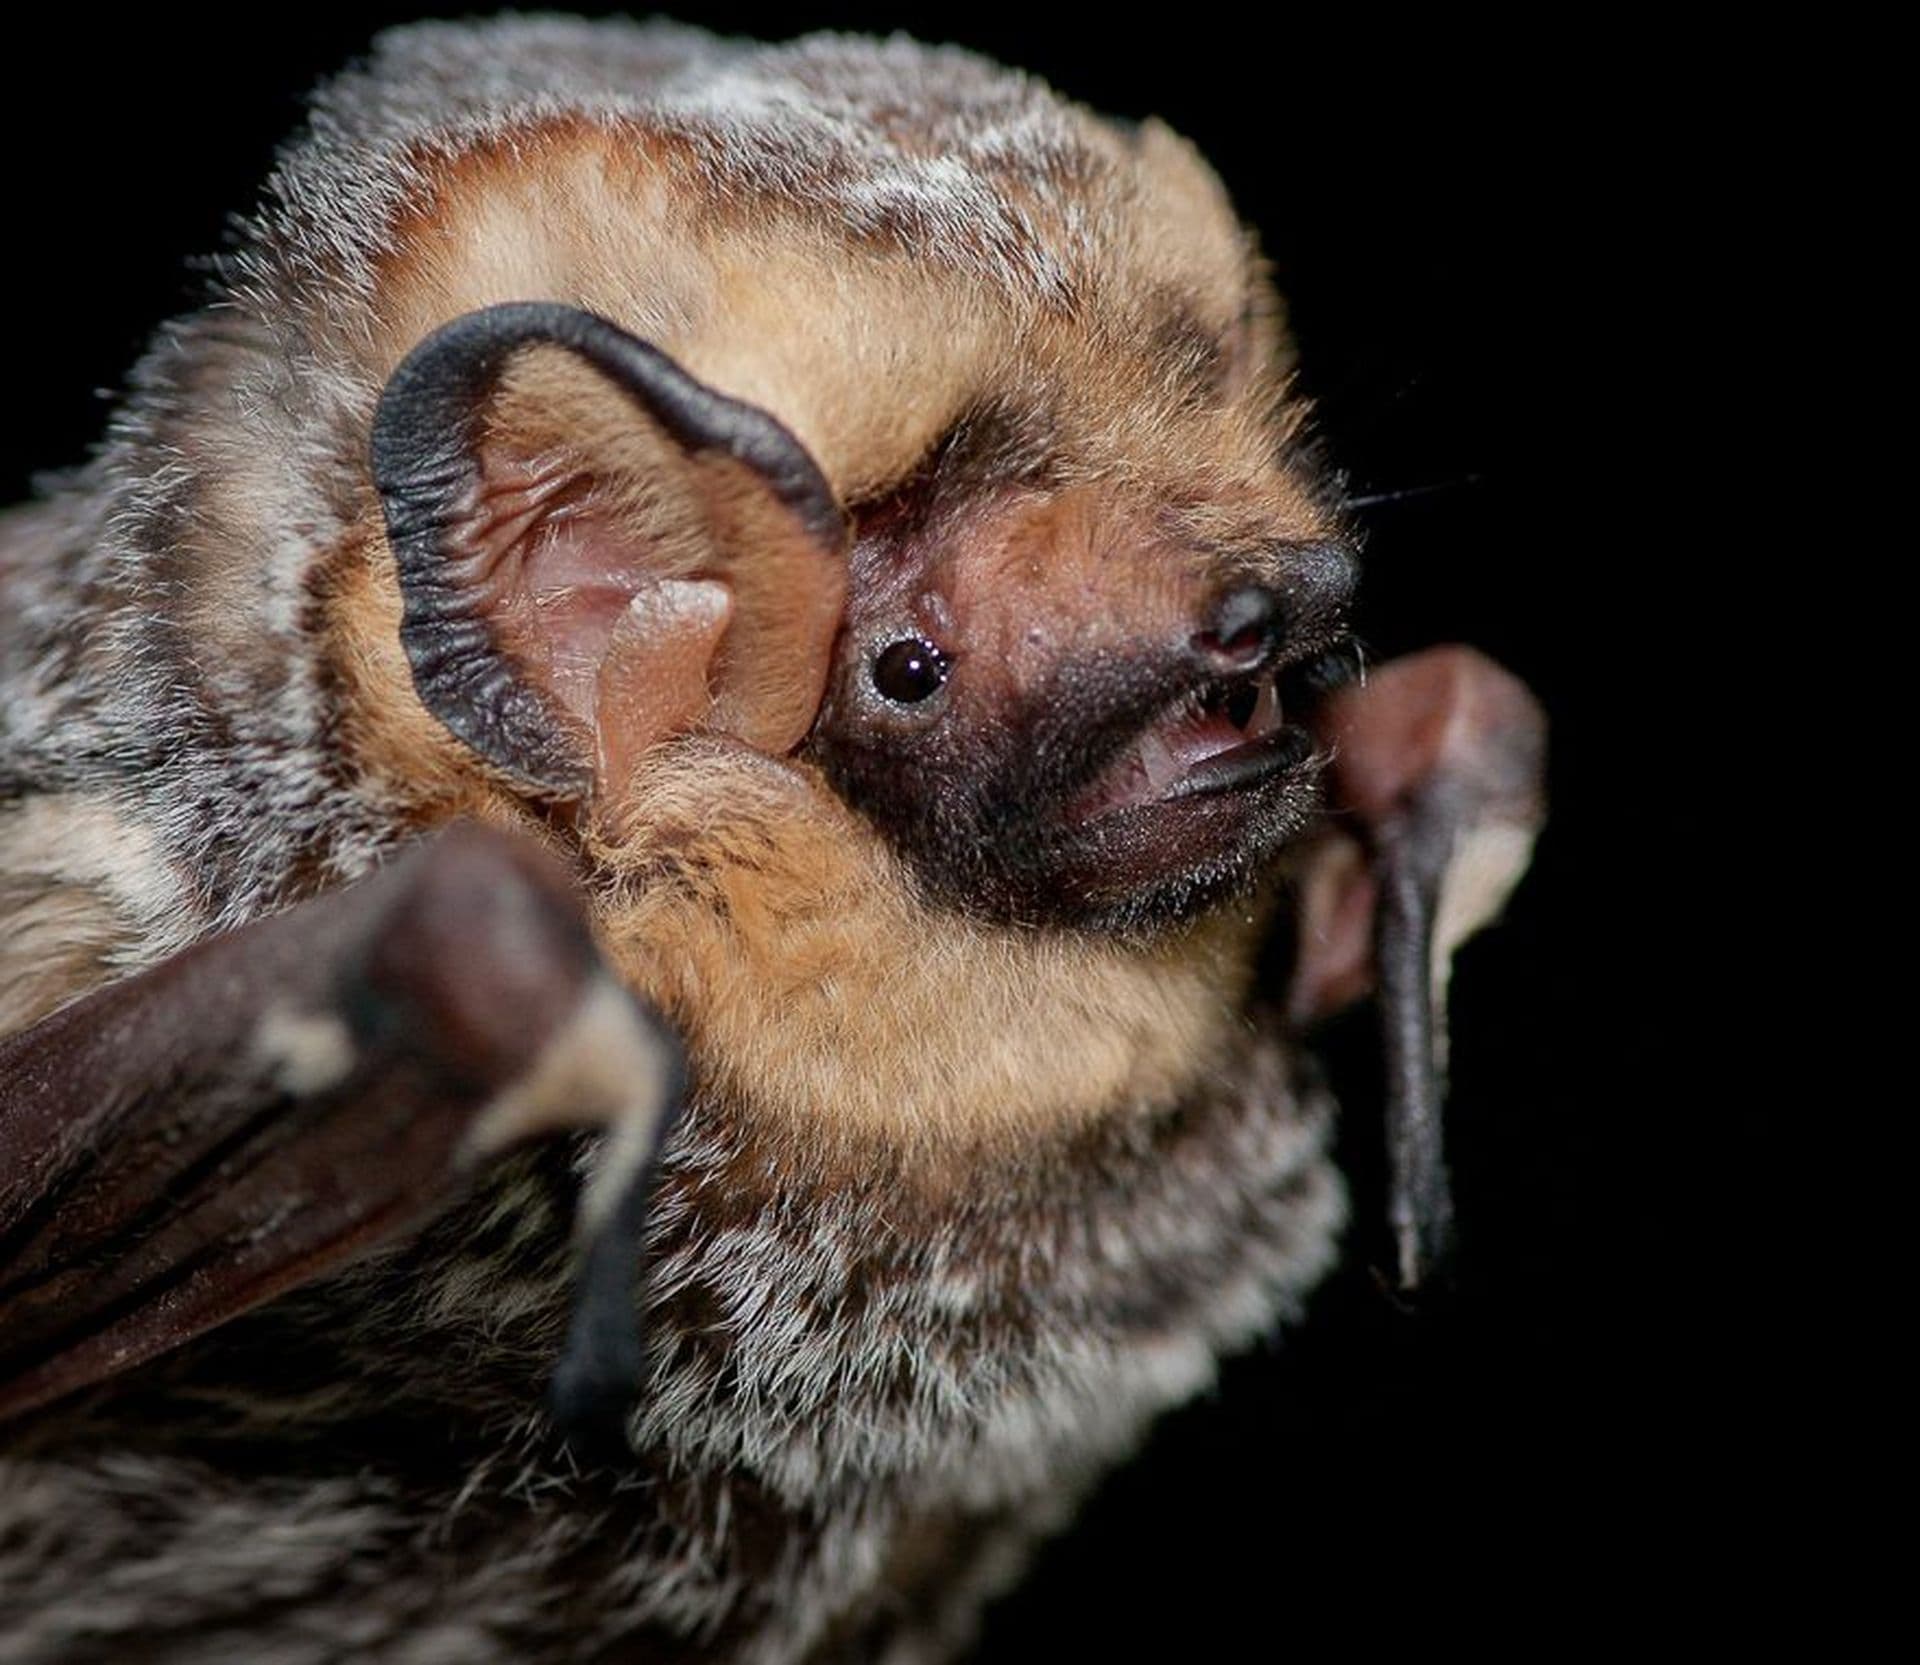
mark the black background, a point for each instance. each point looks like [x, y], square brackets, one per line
[1465, 225]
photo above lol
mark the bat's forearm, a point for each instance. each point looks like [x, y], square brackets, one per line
[184, 1144]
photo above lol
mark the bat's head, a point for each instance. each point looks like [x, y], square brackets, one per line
[1064, 694]
[990, 512]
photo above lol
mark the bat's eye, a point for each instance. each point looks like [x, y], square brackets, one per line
[909, 671]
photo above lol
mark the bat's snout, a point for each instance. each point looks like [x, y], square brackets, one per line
[1253, 626]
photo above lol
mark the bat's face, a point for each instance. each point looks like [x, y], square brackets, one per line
[1021, 553]
[1061, 710]
[1063, 664]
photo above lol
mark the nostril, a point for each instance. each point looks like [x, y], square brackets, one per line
[1244, 628]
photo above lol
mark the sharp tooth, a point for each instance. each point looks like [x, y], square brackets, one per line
[1156, 757]
[1266, 711]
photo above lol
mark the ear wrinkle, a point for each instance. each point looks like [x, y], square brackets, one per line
[558, 559]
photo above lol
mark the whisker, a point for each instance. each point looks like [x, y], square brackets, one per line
[1373, 499]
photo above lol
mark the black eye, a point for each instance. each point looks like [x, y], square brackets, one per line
[907, 672]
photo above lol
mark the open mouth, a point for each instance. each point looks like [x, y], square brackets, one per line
[1220, 737]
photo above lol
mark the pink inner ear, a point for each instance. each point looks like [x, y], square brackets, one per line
[575, 602]
[578, 580]
[634, 626]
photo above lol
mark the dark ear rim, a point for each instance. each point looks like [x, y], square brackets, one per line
[424, 453]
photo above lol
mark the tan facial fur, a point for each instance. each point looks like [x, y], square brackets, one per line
[770, 923]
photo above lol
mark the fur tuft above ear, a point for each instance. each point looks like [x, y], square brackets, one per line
[597, 552]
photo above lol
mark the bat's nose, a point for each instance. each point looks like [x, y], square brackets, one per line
[1251, 624]
[1243, 632]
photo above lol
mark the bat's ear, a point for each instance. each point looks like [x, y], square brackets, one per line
[596, 551]
[1437, 788]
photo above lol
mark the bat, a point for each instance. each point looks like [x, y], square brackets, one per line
[641, 799]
